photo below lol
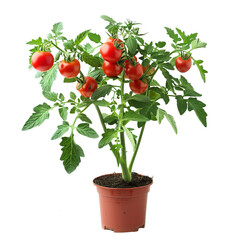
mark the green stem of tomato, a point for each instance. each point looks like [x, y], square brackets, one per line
[56, 46]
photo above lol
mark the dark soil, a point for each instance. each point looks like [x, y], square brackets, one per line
[115, 181]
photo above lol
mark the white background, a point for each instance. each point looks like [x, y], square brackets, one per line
[196, 190]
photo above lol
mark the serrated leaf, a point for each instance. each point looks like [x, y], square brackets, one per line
[197, 106]
[57, 56]
[160, 115]
[84, 129]
[102, 91]
[91, 60]
[57, 28]
[41, 113]
[39, 74]
[96, 73]
[94, 37]
[81, 37]
[71, 153]
[61, 130]
[107, 137]
[48, 78]
[160, 44]
[51, 96]
[61, 97]
[63, 112]
[69, 44]
[181, 104]
[108, 19]
[200, 68]
[102, 103]
[35, 41]
[173, 35]
[140, 98]
[132, 45]
[198, 44]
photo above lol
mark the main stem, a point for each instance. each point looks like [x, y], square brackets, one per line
[126, 175]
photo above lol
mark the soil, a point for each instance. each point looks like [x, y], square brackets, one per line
[115, 181]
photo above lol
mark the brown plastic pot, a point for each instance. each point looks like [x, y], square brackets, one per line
[123, 209]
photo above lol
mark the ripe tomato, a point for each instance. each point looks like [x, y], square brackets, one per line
[138, 86]
[42, 61]
[110, 53]
[150, 72]
[183, 65]
[133, 72]
[111, 69]
[112, 40]
[69, 69]
[88, 87]
[127, 61]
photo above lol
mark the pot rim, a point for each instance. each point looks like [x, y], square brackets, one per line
[97, 185]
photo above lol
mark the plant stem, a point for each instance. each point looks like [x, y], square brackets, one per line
[126, 175]
[57, 47]
[116, 154]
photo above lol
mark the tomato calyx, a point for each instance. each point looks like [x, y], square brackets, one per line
[185, 56]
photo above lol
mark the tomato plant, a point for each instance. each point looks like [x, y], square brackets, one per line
[42, 61]
[183, 65]
[69, 69]
[88, 88]
[153, 83]
[111, 69]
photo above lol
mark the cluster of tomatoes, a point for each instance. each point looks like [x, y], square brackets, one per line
[111, 52]
[43, 61]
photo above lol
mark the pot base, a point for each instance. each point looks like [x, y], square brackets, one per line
[116, 230]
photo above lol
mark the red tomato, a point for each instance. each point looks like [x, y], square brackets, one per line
[133, 72]
[127, 61]
[112, 40]
[42, 61]
[111, 69]
[183, 65]
[110, 53]
[150, 72]
[88, 87]
[138, 86]
[69, 69]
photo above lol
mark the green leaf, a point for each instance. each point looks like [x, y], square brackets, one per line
[69, 44]
[84, 118]
[167, 66]
[81, 37]
[160, 44]
[57, 28]
[57, 56]
[191, 93]
[130, 136]
[63, 112]
[102, 103]
[35, 41]
[102, 91]
[134, 116]
[107, 137]
[94, 37]
[39, 74]
[108, 19]
[160, 115]
[181, 104]
[61, 97]
[69, 80]
[73, 95]
[41, 113]
[140, 98]
[71, 153]
[173, 35]
[186, 38]
[132, 45]
[96, 73]
[198, 44]
[197, 106]
[51, 96]
[91, 60]
[171, 121]
[111, 119]
[200, 68]
[84, 129]
[48, 78]
[62, 129]
[185, 84]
